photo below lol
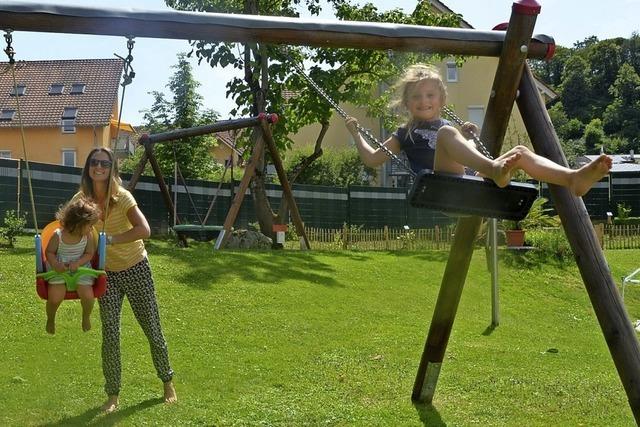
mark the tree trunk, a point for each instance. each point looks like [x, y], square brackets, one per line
[264, 213]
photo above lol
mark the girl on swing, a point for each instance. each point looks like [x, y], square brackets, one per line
[70, 247]
[431, 142]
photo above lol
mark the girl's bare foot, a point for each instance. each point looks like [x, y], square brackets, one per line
[86, 323]
[111, 404]
[584, 178]
[502, 169]
[170, 393]
[51, 327]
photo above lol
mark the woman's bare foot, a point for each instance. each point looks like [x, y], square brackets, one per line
[502, 169]
[170, 393]
[111, 404]
[86, 323]
[51, 326]
[584, 178]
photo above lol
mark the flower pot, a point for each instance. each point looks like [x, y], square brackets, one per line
[515, 237]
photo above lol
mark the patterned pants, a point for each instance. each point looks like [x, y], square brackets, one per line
[137, 284]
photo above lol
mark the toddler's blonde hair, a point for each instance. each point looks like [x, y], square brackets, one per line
[77, 213]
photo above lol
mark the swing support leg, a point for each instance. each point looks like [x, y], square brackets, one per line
[286, 187]
[503, 94]
[445, 311]
[239, 197]
[598, 281]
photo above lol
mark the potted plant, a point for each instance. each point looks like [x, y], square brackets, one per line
[537, 217]
[514, 234]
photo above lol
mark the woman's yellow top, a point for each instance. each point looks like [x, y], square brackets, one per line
[121, 256]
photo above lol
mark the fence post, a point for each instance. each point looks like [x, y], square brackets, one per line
[386, 237]
[599, 228]
[345, 236]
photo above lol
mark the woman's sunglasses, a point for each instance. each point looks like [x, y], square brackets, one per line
[103, 163]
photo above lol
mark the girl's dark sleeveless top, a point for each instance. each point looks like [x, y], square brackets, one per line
[419, 142]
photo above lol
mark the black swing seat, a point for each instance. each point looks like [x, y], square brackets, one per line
[200, 233]
[471, 195]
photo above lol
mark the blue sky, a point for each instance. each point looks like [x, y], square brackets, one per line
[566, 21]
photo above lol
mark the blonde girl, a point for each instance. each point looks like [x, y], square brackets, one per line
[431, 142]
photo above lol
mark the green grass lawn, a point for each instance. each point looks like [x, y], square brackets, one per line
[294, 338]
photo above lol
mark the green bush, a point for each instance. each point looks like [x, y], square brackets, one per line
[624, 211]
[551, 247]
[13, 226]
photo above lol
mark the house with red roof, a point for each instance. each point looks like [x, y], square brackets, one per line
[62, 109]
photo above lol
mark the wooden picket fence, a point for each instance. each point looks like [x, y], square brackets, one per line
[437, 238]
[355, 238]
[625, 236]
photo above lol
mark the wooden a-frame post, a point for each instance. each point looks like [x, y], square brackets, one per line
[503, 94]
[249, 171]
[598, 281]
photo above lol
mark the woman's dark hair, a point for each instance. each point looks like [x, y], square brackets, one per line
[86, 182]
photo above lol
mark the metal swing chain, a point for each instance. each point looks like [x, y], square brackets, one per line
[457, 120]
[364, 132]
[127, 78]
[129, 74]
[12, 65]
[8, 38]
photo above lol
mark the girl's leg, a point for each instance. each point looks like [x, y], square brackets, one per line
[85, 292]
[141, 295]
[110, 308]
[578, 181]
[56, 293]
[454, 152]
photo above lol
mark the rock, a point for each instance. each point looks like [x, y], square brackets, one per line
[248, 239]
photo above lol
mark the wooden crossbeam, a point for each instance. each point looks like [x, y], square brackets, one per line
[219, 27]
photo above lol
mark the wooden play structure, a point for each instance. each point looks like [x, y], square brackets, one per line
[513, 83]
[263, 120]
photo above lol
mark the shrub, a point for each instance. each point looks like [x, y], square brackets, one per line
[552, 247]
[624, 211]
[13, 226]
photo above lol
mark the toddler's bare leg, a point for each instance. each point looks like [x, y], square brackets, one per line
[85, 292]
[55, 297]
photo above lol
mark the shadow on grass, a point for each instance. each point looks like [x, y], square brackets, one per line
[489, 330]
[429, 415]
[16, 250]
[206, 268]
[94, 416]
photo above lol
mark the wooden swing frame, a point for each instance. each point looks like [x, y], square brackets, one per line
[512, 75]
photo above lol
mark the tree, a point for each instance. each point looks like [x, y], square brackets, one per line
[550, 71]
[594, 137]
[604, 60]
[575, 88]
[336, 168]
[622, 116]
[183, 111]
[347, 75]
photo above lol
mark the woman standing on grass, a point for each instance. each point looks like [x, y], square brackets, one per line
[128, 274]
